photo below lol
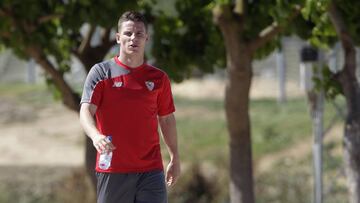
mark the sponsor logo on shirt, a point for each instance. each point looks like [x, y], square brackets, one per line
[150, 85]
[118, 84]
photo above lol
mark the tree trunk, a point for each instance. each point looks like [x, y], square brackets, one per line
[71, 100]
[69, 97]
[351, 89]
[90, 161]
[237, 106]
[89, 55]
[93, 55]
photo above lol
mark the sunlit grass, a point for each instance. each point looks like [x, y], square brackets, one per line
[29, 93]
[203, 134]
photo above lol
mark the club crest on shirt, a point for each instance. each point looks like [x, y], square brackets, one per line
[150, 85]
[117, 84]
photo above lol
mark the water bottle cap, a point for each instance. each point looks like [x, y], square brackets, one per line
[109, 138]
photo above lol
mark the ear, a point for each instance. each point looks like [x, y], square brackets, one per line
[147, 37]
[117, 35]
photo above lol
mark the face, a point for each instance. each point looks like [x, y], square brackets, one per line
[132, 37]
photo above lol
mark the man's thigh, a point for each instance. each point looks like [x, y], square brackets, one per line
[151, 188]
[116, 188]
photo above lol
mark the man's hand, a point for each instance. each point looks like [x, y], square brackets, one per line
[168, 129]
[102, 144]
[172, 172]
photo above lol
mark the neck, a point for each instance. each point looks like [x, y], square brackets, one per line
[131, 61]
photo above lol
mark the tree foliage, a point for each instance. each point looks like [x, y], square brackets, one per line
[190, 38]
[187, 40]
[55, 25]
[324, 35]
[326, 81]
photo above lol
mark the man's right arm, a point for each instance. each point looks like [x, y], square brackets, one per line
[87, 121]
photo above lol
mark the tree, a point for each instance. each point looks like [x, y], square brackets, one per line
[45, 30]
[208, 34]
[335, 20]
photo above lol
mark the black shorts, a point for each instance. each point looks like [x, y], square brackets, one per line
[148, 187]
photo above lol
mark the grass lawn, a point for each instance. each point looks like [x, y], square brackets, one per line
[203, 131]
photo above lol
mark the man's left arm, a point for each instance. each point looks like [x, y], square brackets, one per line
[168, 129]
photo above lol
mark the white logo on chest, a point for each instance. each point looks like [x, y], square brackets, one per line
[117, 84]
[150, 85]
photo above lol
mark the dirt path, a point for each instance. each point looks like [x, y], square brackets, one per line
[49, 136]
[214, 88]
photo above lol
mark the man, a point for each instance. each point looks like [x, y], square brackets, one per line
[129, 98]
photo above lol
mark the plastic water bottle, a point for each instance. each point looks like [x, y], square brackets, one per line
[105, 157]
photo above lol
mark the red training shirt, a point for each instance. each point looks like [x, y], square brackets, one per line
[129, 101]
